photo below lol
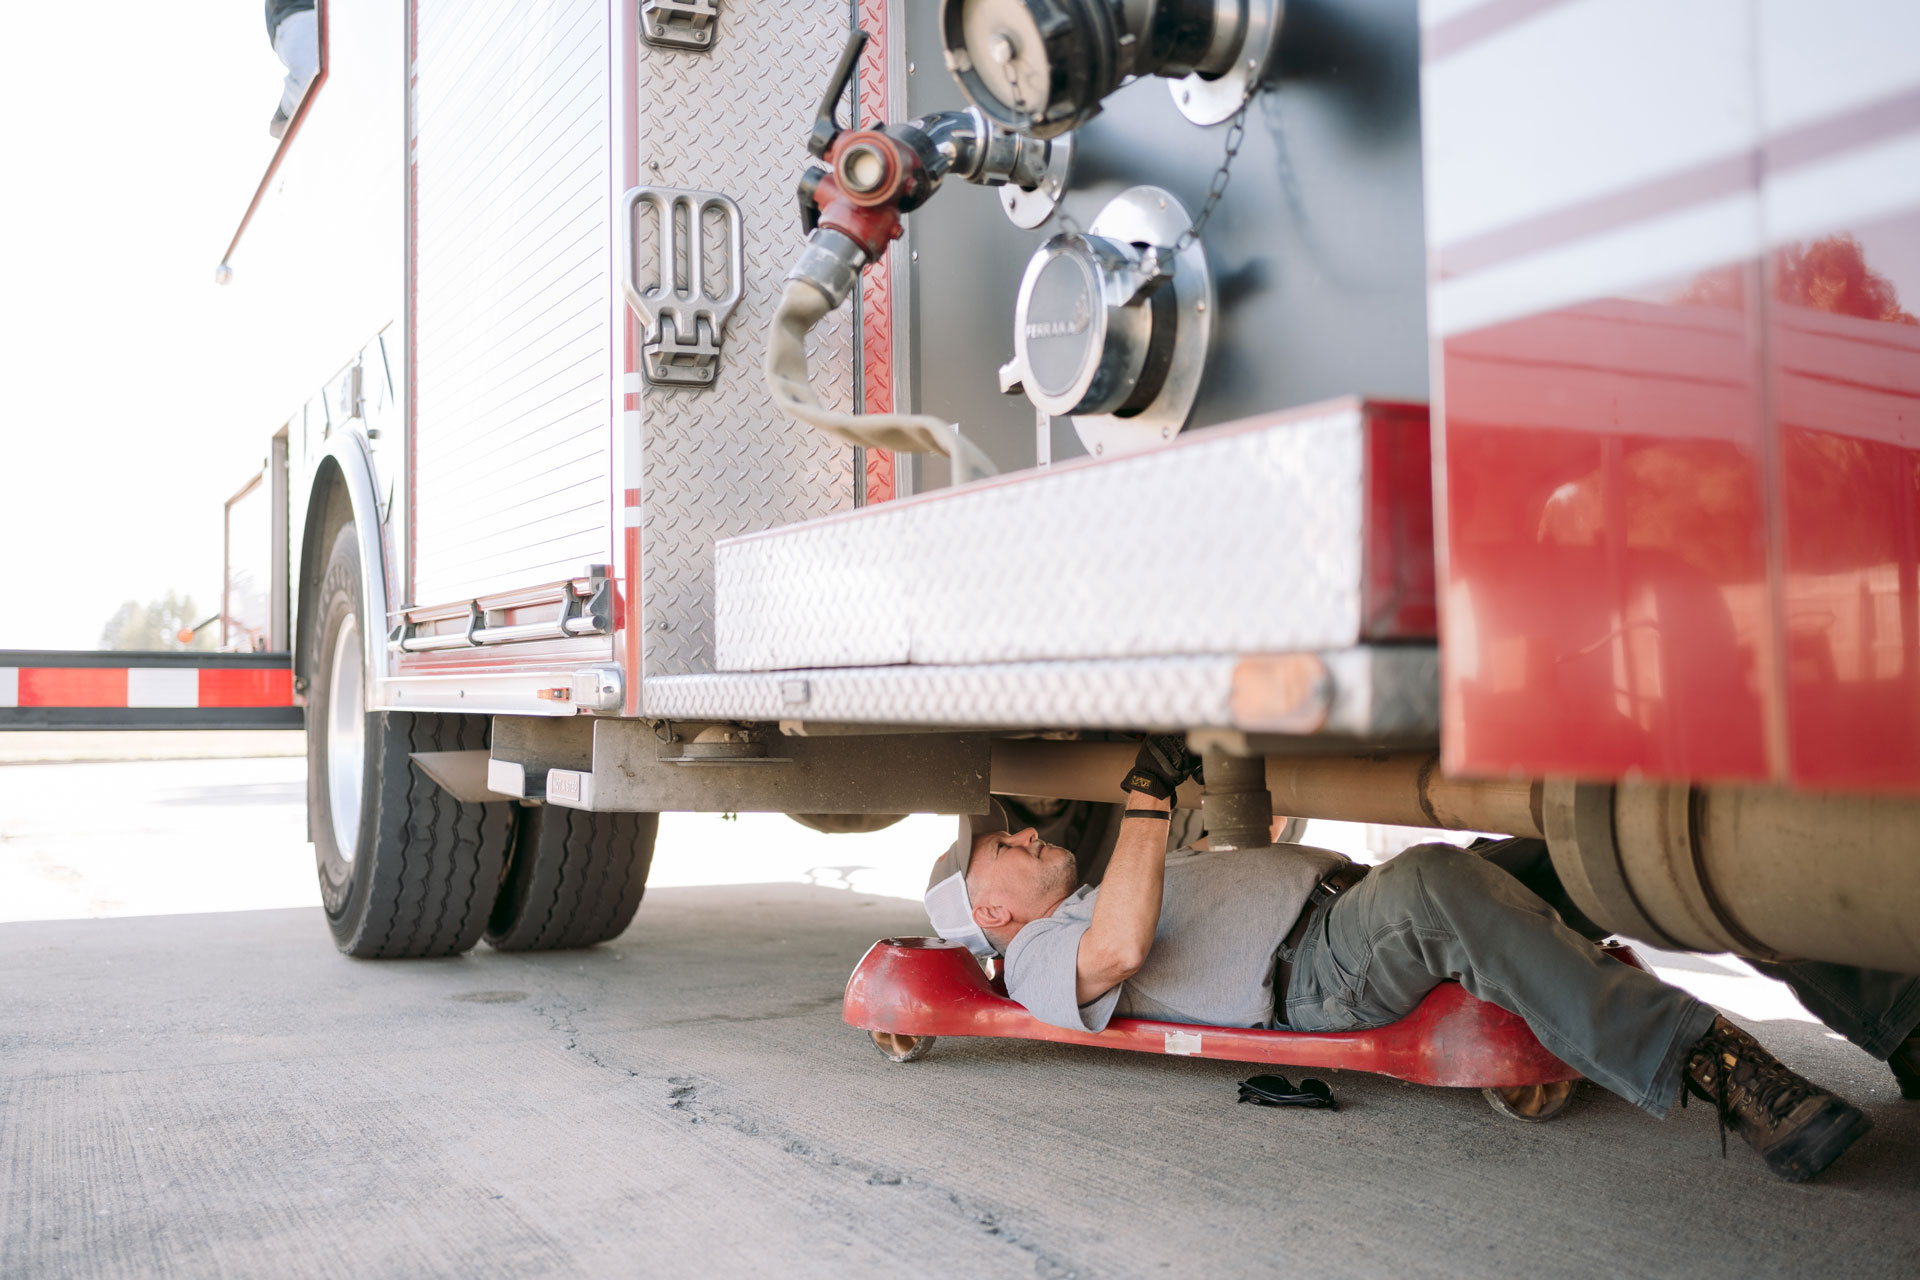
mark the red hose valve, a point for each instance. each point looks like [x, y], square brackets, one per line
[872, 178]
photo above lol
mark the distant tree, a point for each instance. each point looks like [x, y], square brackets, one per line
[1830, 274]
[155, 625]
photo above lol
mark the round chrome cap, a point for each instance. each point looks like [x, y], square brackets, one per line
[1081, 336]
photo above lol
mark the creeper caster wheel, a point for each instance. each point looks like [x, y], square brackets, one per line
[1533, 1103]
[899, 1048]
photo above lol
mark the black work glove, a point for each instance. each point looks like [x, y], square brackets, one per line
[1162, 765]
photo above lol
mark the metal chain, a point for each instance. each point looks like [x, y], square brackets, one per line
[1236, 134]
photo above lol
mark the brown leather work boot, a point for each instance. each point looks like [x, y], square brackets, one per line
[1797, 1127]
[1905, 1062]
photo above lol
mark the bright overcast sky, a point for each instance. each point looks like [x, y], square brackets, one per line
[133, 136]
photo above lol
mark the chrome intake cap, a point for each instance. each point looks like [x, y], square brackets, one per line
[1085, 335]
[1111, 325]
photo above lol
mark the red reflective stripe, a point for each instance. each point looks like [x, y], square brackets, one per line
[876, 284]
[107, 687]
[246, 687]
[73, 687]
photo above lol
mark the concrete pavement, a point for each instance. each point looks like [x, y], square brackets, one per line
[218, 1092]
[223, 1094]
[63, 746]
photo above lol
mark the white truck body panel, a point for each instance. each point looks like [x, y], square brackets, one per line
[513, 259]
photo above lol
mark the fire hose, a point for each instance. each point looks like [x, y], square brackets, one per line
[802, 306]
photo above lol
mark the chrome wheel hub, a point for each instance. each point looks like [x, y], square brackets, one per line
[346, 737]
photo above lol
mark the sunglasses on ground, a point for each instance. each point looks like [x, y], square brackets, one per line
[1278, 1091]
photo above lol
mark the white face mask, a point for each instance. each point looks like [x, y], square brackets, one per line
[949, 905]
[951, 910]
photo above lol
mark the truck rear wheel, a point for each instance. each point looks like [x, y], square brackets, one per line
[405, 869]
[576, 879]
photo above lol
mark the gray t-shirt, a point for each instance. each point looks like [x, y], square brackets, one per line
[1223, 915]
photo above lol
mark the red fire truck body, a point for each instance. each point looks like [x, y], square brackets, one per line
[1679, 403]
[1543, 395]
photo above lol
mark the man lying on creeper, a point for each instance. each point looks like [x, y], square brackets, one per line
[1296, 937]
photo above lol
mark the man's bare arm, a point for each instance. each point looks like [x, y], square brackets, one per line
[1127, 912]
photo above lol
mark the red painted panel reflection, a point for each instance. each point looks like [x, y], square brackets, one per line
[1846, 361]
[1610, 606]
[1606, 608]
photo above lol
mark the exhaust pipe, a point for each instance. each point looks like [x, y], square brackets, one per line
[1406, 790]
[1761, 872]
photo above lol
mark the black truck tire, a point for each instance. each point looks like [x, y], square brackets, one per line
[575, 879]
[421, 870]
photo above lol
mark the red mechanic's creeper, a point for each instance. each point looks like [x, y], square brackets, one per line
[906, 992]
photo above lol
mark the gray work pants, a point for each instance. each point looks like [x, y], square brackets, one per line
[1875, 1009]
[1437, 912]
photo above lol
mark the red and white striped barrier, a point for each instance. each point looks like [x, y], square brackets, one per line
[46, 690]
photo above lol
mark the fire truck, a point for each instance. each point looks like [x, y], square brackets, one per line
[1472, 414]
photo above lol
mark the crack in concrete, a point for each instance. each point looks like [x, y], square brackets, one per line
[683, 1094]
[563, 1024]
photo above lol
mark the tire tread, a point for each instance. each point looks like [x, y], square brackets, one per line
[434, 856]
[577, 879]
[425, 847]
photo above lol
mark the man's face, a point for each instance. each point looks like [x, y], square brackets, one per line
[1019, 873]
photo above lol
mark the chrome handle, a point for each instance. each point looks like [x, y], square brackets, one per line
[676, 351]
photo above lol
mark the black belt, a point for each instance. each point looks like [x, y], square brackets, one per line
[1331, 886]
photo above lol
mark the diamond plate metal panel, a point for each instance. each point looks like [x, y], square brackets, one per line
[1378, 692]
[1160, 693]
[1244, 539]
[721, 462]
